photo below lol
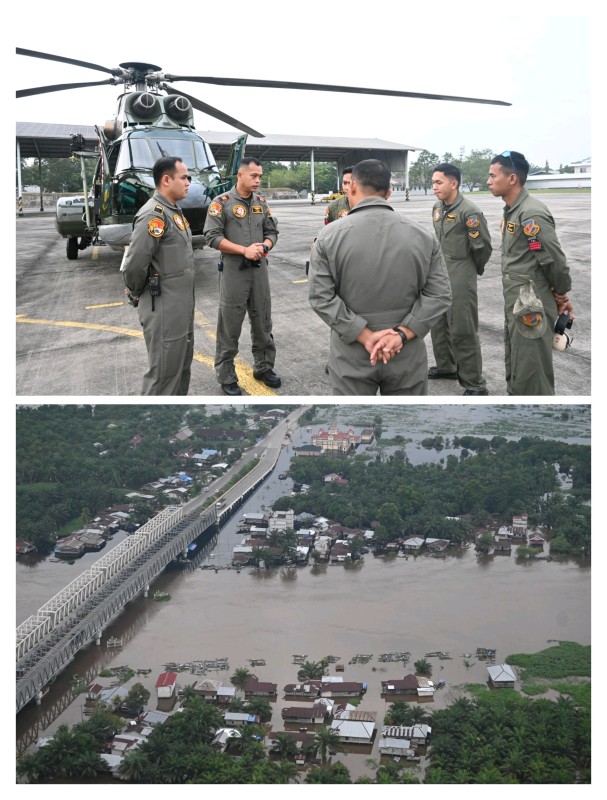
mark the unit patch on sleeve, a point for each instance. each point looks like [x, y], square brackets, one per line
[530, 227]
[474, 234]
[473, 221]
[215, 209]
[156, 227]
[436, 215]
[534, 244]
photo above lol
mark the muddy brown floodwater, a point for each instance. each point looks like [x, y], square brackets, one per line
[452, 603]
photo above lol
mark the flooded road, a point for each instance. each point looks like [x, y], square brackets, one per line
[454, 603]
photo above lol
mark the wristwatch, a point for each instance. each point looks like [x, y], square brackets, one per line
[402, 335]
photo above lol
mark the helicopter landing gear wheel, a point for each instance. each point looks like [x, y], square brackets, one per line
[71, 248]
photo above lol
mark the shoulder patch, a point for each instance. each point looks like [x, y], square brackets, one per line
[156, 227]
[473, 221]
[343, 213]
[474, 234]
[530, 227]
[158, 209]
[436, 215]
[215, 209]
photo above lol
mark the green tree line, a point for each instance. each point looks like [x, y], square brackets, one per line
[490, 477]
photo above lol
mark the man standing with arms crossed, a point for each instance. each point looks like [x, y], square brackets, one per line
[464, 237]
[535, 278]
[240, 225]
[159, 275]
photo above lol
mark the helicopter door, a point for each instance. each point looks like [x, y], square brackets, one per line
[236, 155]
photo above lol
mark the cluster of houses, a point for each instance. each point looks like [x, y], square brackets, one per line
[95, 536]
[326, 703]
[314, 536]
[517, 533]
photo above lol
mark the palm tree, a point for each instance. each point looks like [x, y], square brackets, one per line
[240, 677]
[90, 764]
[283, 745]
[286, 772]
[134, 766]
[423, 667]
[260, 707]
[188, 693]
[312, 670]
[325, 741]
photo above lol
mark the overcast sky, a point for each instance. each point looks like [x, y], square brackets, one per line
[541, 64]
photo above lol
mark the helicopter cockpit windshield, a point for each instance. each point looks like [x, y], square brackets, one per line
[140, 152]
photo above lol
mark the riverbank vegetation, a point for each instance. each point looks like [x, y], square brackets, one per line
[74, 461]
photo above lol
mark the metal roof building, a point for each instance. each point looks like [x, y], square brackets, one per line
[46, 140]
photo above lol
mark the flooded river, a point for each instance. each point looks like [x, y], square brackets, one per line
[454, 603]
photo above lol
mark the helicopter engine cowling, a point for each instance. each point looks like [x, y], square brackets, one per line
[142, 106]
[177, 107]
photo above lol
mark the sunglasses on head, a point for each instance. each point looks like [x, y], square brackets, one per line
[508, 154]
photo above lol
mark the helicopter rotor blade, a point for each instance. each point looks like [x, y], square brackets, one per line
[215, 112]
[322, 87]
[87, 64]
[59, 87]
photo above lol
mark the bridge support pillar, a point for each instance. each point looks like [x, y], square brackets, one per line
[39, 697]
[185, 553]
[146, 591]
[98, 638]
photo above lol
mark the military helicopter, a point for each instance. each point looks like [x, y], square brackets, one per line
[154, 119]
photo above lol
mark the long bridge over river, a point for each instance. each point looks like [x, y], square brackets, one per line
[50, 639]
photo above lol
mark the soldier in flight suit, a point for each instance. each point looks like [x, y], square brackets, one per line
[240, 225]
[533, 267]
[380, 283]
[161, 246]
[464, 237]
[339, 208]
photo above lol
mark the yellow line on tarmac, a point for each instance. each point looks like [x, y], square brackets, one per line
[103, 305]
[87, 325]
[244, 371]
[95, 253]
[304, 280]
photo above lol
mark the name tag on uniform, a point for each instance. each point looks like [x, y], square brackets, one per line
[256, 209]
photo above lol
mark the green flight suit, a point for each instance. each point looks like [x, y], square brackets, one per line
[375, 269]
[337, 209]
[464, 237]
[531, 254]
[242, 220]
[162, 239]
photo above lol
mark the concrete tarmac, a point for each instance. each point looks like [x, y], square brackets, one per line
[77, 335]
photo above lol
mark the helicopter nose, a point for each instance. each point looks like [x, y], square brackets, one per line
[195, 197]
